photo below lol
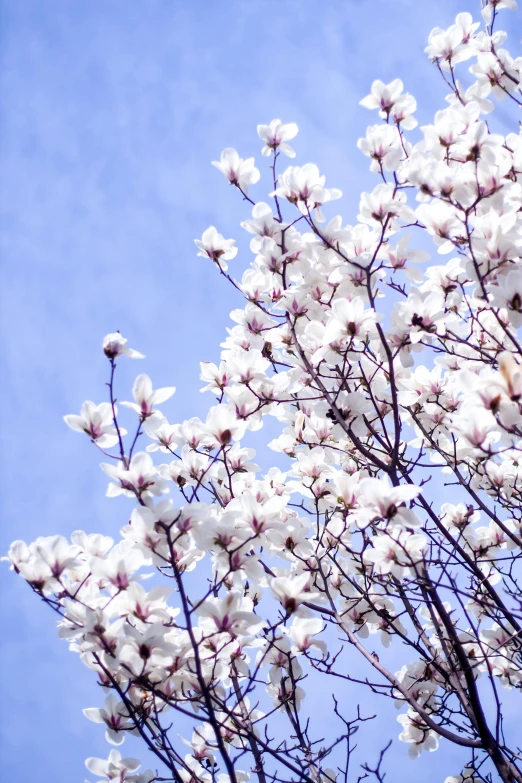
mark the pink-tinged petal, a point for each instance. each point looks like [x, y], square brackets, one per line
[132, 405]
[76, 423]
[142, 388]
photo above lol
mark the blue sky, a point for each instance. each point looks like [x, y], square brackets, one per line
[110, 115]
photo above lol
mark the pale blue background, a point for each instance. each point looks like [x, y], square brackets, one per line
[110, 115]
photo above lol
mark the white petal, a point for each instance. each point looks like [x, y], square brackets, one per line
[94, 714]
[76, 423]
[164, 394]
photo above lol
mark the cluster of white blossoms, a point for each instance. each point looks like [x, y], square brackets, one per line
[388, 383]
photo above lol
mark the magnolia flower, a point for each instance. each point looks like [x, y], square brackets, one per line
[167, 436]
[115, 345]
[423, 313]
[260, 517]
[115, 769]
[478, 433]
[264, 225]
[246, 366]
[304, 187]
[449, 47]
[402, 111]
[223, 426]
[37, 573]
[349, 321]
[302, 633]
[442, 222]
[232, 615]
[58, 553]
[382, 96]
[148, 607]
[400, 256]
[139, 478]
[201, 743]
[146, 647]
[508, 293]
[18, 553]
[214, 246]
[345, 488]
[395, 553]
[97, 421]
[415, 732]
[215, 377]
[146, 398]
[115, 716]
[275, 135]
[382, 206]
[383, 145]
[239, 172]
[292, 591]
[379, 500]
[280, 695]
[119, 566]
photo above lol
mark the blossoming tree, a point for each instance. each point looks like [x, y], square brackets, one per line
[388, 384]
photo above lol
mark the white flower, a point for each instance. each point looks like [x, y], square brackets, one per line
[58, 553]
[145, 397]
[382, 144]
[139, 478]
[214, 246]
[223, 426]
[415, 731]
[115, 769]
[292, 591]
[508, 293]
[383, 96]
[167, 436]
[119, 565]
[302, 633]
[232, 615]
[115, 716]
[304, 187]
[239, 172]
[350, 321]
[275, 135]
[97, 422]
[449, 47]
[379, 500]
[396, 553]
[115, 345]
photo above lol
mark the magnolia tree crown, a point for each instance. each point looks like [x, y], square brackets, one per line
[389, 381]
